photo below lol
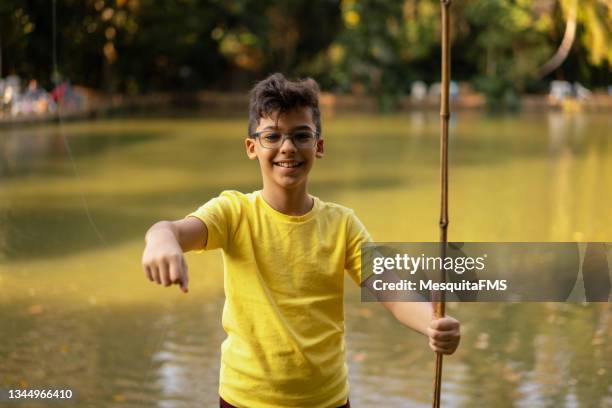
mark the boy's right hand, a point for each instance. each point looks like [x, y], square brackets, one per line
[163, 260]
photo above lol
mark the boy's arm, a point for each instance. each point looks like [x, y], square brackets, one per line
[190, 233]
[163, 260]
[416, 315]
[444, 333]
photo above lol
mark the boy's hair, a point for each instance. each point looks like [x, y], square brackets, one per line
[277, 93]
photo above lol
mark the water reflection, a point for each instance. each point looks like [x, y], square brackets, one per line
[48, 150]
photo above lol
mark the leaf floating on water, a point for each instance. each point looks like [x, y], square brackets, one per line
[35, 309]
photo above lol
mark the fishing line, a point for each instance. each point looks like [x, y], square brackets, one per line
[55, 78]
[60, 122]
[75, 170]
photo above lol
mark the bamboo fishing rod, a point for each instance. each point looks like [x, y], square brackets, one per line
[438, 296]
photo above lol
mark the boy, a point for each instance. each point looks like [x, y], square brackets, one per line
[285, 253]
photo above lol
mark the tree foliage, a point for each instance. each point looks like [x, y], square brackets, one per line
[373, 46]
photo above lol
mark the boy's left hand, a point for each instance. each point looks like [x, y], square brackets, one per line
[444, 334]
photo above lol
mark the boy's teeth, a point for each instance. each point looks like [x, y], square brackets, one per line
[286, 164]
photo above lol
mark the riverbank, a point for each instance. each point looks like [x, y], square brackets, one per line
[100, 106]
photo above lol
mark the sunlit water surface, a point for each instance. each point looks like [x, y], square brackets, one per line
[77, 312]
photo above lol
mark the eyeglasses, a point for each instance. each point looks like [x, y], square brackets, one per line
[272, 139]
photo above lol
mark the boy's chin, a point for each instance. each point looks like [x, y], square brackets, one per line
[289, 182]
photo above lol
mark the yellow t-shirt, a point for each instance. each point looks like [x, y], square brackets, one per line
[283, 312]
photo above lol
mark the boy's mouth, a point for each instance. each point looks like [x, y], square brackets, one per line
[288, 163]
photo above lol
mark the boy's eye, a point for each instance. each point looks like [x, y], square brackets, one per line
[302, 136]
[271, 137]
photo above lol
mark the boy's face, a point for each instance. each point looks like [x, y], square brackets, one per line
[288, 165]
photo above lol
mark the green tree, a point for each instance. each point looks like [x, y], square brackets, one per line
[509, 42]
[383, 47]
[378, 47]
[513, 41]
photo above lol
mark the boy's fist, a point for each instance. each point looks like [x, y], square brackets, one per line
[163, 262]
[444, 334]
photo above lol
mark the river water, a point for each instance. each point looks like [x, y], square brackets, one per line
[76, 311]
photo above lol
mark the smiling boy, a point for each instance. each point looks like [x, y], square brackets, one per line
[285, 254]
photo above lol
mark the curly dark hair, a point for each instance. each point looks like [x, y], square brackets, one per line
[277, 93]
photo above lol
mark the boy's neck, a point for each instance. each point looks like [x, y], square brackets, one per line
[290, 202]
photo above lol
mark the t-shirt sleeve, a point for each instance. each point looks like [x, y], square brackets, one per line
[221, 215]
[357, 235]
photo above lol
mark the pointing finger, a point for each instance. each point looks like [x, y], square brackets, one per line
[185, 277]
[174, 270]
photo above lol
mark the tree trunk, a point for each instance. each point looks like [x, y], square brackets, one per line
[566, 44]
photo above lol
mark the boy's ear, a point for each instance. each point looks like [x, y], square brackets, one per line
[249, 144]
[320, 148]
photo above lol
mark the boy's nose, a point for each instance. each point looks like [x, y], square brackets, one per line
[288, 145]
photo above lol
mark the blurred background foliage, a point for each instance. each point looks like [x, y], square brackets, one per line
[359, 46]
